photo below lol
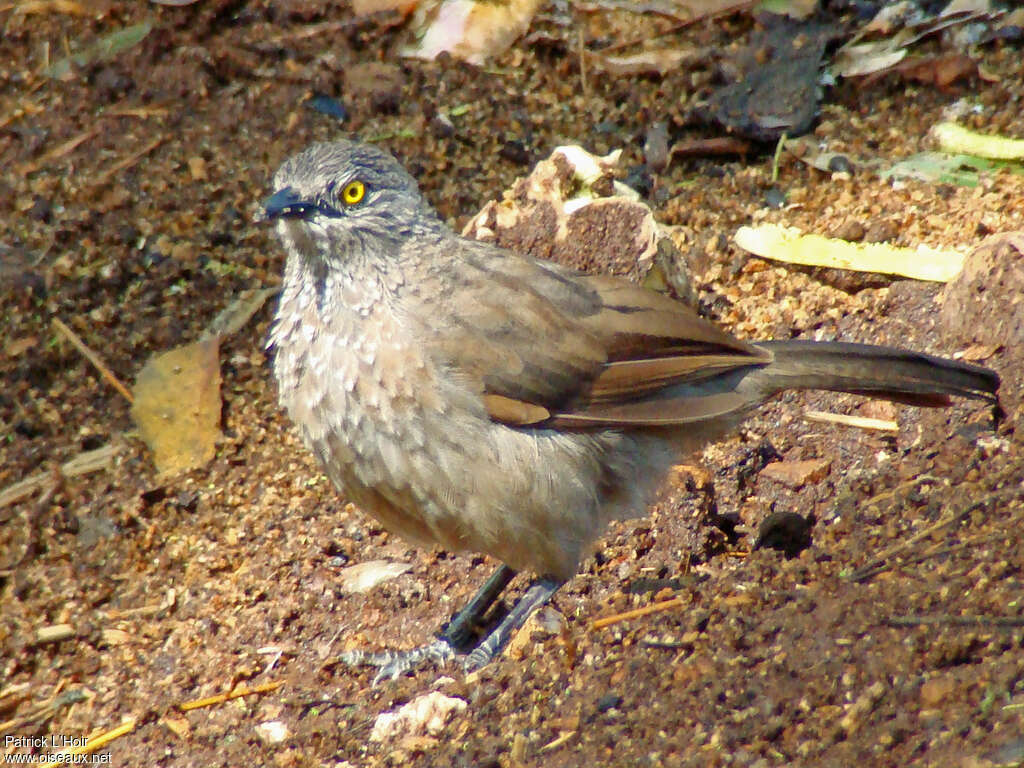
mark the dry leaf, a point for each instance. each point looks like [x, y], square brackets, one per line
[177, 405]
[792, 246]
[469, 30]
[365, 576]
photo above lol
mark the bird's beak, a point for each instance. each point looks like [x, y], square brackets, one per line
[285, 203]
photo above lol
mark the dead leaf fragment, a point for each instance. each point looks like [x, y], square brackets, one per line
[954, 138]
[363, 577]
[68, 7]
[104, 49]
[177, 405]
[469, 30]
[792, 246]
[941, 71]
[977, 352]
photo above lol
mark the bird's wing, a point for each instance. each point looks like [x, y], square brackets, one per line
[549, 347]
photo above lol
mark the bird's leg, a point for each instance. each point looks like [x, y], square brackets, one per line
[538, 593]
[459, 631]
[458, 634]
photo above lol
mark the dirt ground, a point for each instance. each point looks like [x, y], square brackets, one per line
[128, 189]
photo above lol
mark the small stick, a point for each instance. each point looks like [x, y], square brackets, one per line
[127, 162]
[665, 605]
[778, 154]
[861, 422]
[562, 739]
[883, 561]
[83, 464]
[94, 743]
[143, 113]
[59, 151]
[93, 358]
[54, 633]
[220, 698]
[683, 24]
[583, 65]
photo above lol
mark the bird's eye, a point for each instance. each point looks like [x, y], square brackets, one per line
[353, 192]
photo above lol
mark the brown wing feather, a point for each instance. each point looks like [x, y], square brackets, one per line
[550, 347]
[629, 379]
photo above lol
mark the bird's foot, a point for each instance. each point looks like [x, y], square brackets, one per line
[392, 664]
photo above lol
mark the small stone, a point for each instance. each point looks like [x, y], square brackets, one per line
[881, 231]
[937, 690]
[796, 474]
[197, 168]
[41, 209]
[184, 252]
[426, 715]
[865, 704]
[850, 230]
[272, 731]
[774, 198]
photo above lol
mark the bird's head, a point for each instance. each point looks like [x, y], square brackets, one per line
[344, 200]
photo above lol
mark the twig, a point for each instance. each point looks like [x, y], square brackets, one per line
[679, 26]
[882, 562]
[584, 86]
[665, 605]
[127, 162]
[82, 464]
[861, 422]
[93, 358]
[32, 521]
[94, 743]
[631, 6]
[59, 151]
[562, 739]
[220, 698]
[937, 550]
[143, 113]
[778, 154]
[54, 633]
[39, 714]
[313, 30]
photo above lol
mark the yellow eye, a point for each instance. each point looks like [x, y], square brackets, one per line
[353, 192]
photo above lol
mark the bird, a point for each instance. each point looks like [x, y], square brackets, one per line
[477, 399]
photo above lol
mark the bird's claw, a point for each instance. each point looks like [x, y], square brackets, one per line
[392, 664]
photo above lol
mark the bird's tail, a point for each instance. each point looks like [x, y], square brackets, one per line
[895, 374]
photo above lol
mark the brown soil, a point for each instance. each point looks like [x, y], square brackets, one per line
[129, 189]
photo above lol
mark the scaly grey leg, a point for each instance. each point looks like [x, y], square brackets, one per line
[539, 592]
[458, 633]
